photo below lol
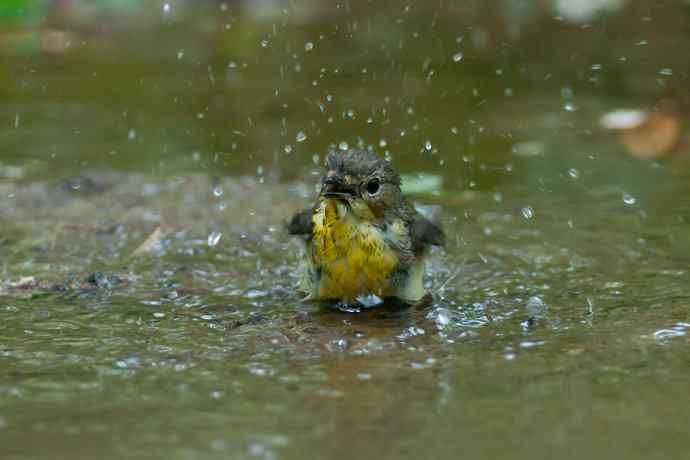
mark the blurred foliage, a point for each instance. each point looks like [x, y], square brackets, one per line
[23, 11]
[227, 86]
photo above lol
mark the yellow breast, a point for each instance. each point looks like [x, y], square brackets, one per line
[351, 254]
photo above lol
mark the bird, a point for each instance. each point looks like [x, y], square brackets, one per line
[363, 238]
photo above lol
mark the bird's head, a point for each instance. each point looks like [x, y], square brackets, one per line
[364, 181]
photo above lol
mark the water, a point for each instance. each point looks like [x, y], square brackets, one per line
[147, 301]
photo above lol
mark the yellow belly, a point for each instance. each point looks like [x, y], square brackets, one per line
[351, 254]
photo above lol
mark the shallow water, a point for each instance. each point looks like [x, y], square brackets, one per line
[147, 302]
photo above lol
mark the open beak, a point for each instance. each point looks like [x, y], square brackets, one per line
[336, 187]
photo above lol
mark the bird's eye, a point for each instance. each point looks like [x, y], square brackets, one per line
[373, 187]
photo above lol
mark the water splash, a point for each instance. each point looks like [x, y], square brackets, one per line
[629, 199]
[213, 238]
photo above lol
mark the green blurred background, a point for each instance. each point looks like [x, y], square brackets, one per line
[147, 291]
[228, 87]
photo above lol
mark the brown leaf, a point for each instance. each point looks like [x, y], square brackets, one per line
[655, 138]
[645, 134]
[24, 282]
[151, 243]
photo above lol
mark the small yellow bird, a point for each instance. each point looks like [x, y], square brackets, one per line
[363, 238]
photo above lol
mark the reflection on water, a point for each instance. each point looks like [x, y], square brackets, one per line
[151, 155]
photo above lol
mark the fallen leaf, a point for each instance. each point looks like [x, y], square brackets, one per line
[658, 136]
[23, 283]
[152, 243]
[646, 135]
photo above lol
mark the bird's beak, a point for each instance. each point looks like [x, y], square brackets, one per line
[336, 187]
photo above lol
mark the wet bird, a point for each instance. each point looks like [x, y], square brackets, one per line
[364, 240]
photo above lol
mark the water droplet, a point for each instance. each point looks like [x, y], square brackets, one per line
[457, 57]
[567, 92]
[666, 71]
[132, 134]
[536, 307]
[382, 143]
[629, 199]
[213, 238]
[663, 334]
[217, 191]
[308, 46]
[264, 43]
[301, 137]
[369, 301]
[531, 343]
[570, 107]
[255, 293]
[412, 331]
[167, 8]
[527, 212]
[343, 146]
[428, 146]
[288, 148]
[180, 54]
[338, 345]
[574, 173]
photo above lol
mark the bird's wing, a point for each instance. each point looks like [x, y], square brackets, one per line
[301, 223]
[425, 233]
